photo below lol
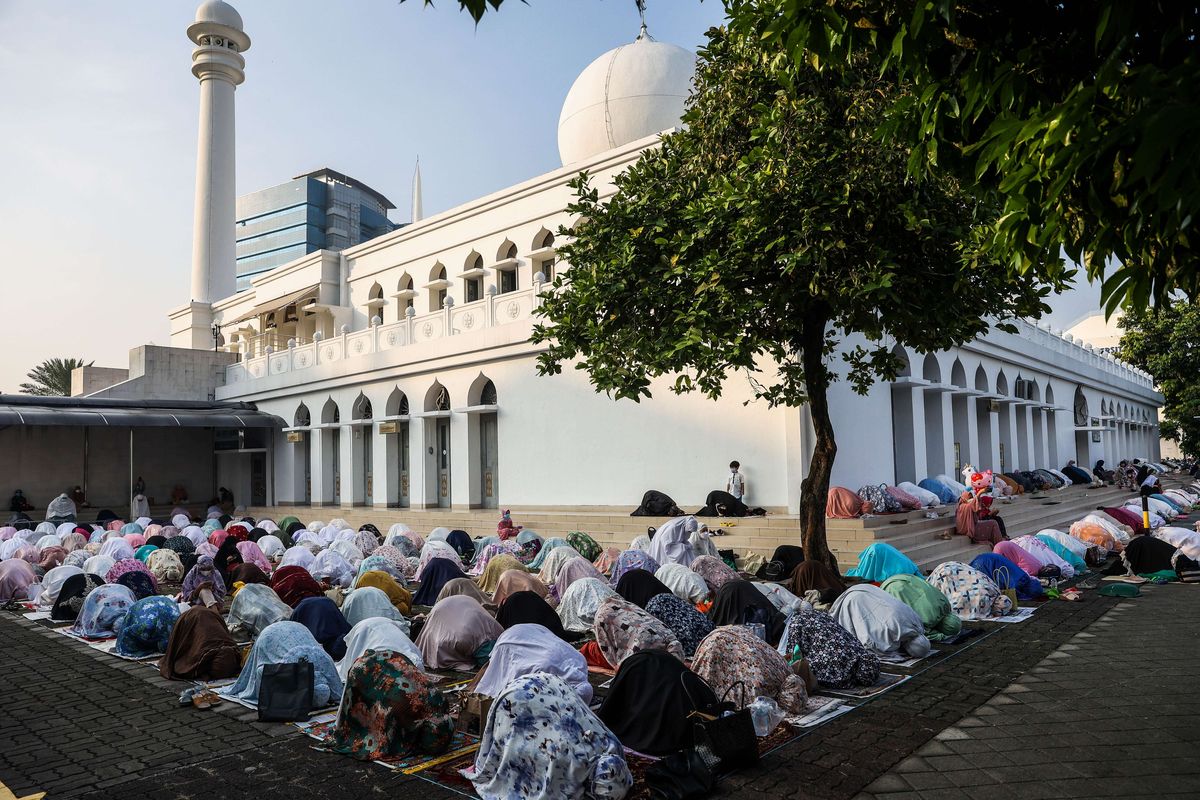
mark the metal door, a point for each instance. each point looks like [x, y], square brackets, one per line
[488, 466]
[368, 476]
[336, 454]
[443, 463]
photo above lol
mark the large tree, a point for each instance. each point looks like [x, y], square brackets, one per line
[52, 378]
[1166, 343]
[774, 226]
[1078, 117]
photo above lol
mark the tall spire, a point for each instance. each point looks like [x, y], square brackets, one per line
[417, 211]
[644, 33]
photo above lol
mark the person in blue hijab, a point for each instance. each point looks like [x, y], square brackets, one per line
[1007, 575]
[438, 572]
[325, 622]
[880, 561]
[147, 626]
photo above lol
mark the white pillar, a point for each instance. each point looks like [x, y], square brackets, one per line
[351, 487]
[1029, 457]
[1044, 455]
[218, 64]
[381, 464]
[994, 432]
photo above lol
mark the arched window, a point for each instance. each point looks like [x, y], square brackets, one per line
[362, 408]
[487, 397]
[303, 418]
[375, 302]
[543, 257]
[437, 398]
[482, 392]
[437, 287]
[404, 295]
[330, 412]
[905, 366]
[931, 370]
[981, 379]
[1002, 384]
[958, 375]
[473, 278]
[507, 251]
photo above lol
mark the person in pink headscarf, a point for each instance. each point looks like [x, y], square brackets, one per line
[253, 554]
[974, 517]
[843, 504]
[1019, 556]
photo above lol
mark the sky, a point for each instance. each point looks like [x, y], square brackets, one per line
[98, 121]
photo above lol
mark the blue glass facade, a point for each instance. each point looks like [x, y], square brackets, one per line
[320, 210]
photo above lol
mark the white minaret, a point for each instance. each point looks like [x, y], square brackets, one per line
[218, 64]
[418, 211]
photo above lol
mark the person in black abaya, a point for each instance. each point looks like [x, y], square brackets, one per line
[723, 504]
[227, 558]
[638, 586]
[648, 704]
[531, 608]
[657, 504]
[738, 603]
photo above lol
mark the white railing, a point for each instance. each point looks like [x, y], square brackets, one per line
[492, 311]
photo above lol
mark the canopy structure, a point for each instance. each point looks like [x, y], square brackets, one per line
[89, 412]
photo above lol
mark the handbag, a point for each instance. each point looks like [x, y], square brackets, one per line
[680, 776]
[726, 741]
[285, 693]
[1009, 592]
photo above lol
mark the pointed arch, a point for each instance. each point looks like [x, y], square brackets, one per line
[330, 412]
[482, 392]
[958, 375]
[1049, 395]
[397, 403]
[1002, 384]
[405, 284]
[376, 292]
[905, 362]
[302, 418]
[982, 383]
[506, 250]
[437, 272]
[544, 238]
[473, 261]
[362, 408]
[437, 398]
[931, 370]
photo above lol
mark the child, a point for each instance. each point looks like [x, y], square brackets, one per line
[736, 485]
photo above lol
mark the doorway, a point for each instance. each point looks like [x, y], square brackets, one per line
[488, 461]
[365, 497]
[405, 466]
[335, 452]
[258, 479]
[443, 463]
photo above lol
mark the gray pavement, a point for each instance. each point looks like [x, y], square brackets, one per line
[1087, 699]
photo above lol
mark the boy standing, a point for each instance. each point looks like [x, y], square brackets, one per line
[736, 484]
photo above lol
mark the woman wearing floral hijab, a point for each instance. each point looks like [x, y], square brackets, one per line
[203, 585]
[623, 629]
[147, 626]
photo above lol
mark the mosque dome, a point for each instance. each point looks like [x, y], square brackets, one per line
[629, 93]
[220, 13]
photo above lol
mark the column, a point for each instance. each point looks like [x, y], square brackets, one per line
[1044, 423]
[419, 463]
[947, 402]
[994, 436]
[382, 467]
[463, 461]
[1029, 456]
[321, 491]
[351, 479]
[971, 452]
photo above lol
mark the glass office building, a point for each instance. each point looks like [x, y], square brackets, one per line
[320, 210]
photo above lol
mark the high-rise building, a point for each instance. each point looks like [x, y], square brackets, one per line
[319, 210]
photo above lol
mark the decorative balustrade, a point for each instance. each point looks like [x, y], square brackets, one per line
[492, 311]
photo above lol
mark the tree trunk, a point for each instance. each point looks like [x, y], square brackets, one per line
[814, 489]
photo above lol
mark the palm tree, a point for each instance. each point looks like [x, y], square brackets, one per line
[52, 378]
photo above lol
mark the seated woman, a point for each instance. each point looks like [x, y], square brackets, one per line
[103, 612]
[730, 655]
[637, 586]
[397, 595]
[623, 629]
[458, 634]
[1008, 575]
[530, 608]
[367, 601]
[683, 583]
[974, 517]
[880, 561]
[880, 621]
[146, 628]
[932, 607]
[542, 742]
[528, 648]
[325, 622]
[834, 657]
[254, 608]
[687, 624]
[578, 606]
[972, 594]
[293, 584]
[715, 572]
[377, 634]
[817, 583]
[738, 603]
[438, 572]
[390, 708]
[649, 703]
[203, 585]
[674, 542]
[573, 570]
[517, 580]
[200, 648]
[286, 643]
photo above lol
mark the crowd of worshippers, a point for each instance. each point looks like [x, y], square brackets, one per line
[678, 623]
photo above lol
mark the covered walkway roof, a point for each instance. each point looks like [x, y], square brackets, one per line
[97, 412]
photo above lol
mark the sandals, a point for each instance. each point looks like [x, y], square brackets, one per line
[205, 699]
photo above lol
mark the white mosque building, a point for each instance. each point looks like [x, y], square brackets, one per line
[403, 371]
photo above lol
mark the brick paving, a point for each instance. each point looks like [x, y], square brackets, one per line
[1085, 699]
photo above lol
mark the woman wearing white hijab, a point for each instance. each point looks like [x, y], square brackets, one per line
[117, 549]
[99, 565]
[378, 633]
[272, 547]
[683, 583]
[65, 528]
[298, 556]
[49, 540]
[530, 647]
[52, 584]
[330, 566]
[675, 542]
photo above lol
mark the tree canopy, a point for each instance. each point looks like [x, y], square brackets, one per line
[1077, 117]
[775, 226]
[1166, 343]
[52, 378]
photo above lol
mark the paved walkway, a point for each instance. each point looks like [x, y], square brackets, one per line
[1111, 713]
[1088, 699]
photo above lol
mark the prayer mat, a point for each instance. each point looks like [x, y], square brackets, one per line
[960, 637]
[109, 647]
[462, 745]
[886, 681]
[898, 660]
[820, 710]
[1016, 615]
[66, 631]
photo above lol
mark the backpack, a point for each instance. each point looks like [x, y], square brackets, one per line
[876, 500]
